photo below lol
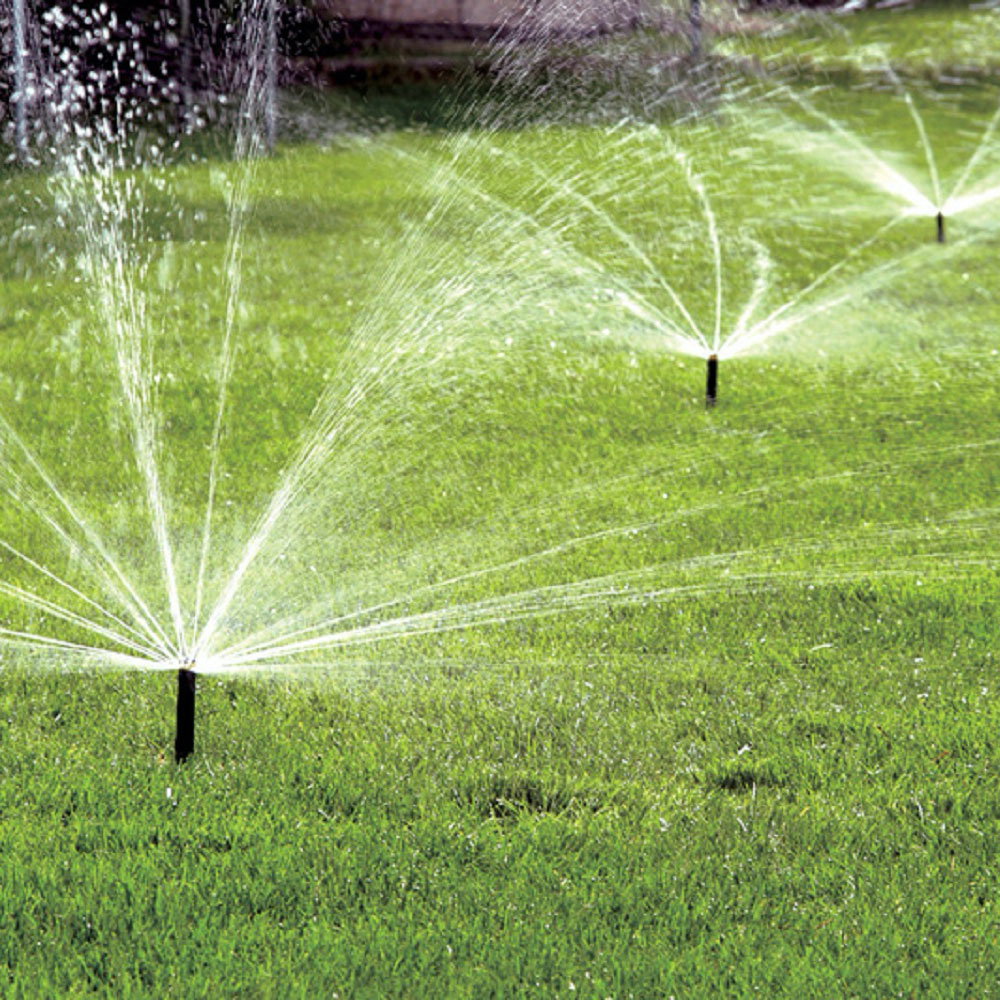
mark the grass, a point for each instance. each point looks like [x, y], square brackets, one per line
[756, 757]
[786, 820]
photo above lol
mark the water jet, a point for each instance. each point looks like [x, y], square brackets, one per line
[711, 379]
[19, 97]
[184, 739]
[694, 23]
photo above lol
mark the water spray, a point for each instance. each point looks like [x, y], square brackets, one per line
[271, 74]
[940, 227]
[184, 740]
[711, 379]
[694, 28]
[19, 98]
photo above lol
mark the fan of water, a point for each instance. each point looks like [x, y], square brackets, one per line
[91, 132]
[971, 186]
[369, 518]
[620, 239]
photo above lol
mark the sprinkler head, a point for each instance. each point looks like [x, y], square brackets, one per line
[711, 379]
[940, 227]
[184, 739]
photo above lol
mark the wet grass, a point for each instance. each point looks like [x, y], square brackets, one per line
[759, 757]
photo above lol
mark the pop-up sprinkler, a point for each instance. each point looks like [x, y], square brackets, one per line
[184, 740]
[711, 379]
[940, 227]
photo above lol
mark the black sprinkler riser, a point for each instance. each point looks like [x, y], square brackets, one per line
[711, 379]
[940, 227]
[184, 740]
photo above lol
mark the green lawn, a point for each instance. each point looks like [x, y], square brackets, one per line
[627, 697]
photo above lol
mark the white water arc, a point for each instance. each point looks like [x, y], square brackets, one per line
[96, 195]
[933, 199]
[619, 255]
[100, 183]
[639, 283]
[255, 132]
[334, 422]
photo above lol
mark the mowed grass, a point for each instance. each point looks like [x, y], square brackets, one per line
[753, 749]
